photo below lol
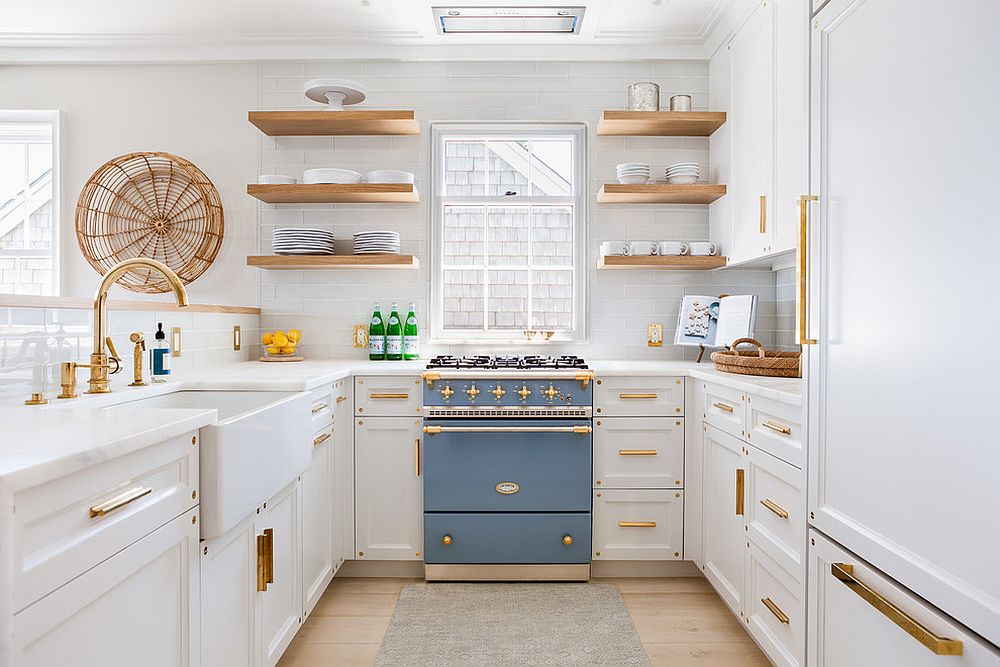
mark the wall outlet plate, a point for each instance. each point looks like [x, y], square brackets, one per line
[237, 338]
[175, 341]
[360, 335]
[654, 335]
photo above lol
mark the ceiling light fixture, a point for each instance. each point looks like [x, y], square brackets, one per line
[516, 20]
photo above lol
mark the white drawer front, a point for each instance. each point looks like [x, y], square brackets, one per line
[775, 612]
[322, 407]
[377, 396]
[848, 629]
[639, 452]
[777, 429]
[634, 524]
[639, 397]
[776, 510]
[725, 409]
[62, 530]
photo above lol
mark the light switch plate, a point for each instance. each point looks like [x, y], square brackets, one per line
[175, 341]
[360, 335]
[654, 335]
[237, 338]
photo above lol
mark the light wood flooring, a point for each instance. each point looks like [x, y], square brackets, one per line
[680, 620]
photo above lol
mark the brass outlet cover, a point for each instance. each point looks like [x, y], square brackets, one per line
[654, 335]
[175, 341]
[237, 338]
[360, 335]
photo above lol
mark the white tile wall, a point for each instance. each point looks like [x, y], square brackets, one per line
[325, 305]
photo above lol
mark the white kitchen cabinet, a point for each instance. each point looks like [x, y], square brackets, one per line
[388, 488]
[639, 453]
[318, 524]
[775, 610]
[639, 397]
[388, 396]
[723, 507]
[138, 607]
[229, 597]
[343, 471]
[638, 524]
[281, 603]
[775, 510]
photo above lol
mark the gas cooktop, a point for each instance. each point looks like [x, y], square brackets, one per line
[504, 362]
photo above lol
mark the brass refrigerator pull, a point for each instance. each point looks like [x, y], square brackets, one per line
[803, 274]
[261, 563]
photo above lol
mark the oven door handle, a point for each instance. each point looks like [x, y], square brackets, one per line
[579, 429]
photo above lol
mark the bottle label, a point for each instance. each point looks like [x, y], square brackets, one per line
[376, 345]
[411, 346]
[393, 344]
[161, 361]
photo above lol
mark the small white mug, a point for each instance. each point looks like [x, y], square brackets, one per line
[639, 248]
[673, 248]
[702, 248]
[614, 248]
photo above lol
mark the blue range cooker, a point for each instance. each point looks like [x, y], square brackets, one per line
[507, 468]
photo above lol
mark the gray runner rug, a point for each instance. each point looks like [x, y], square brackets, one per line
[510, 625]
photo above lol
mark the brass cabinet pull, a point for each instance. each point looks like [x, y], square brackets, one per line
[341, 399]
[723, 406]
[417, 448]
[269, 541]
[739, 491]
[121, 500]
[803, 274]
[844, 572]
[628, 396]
[637, 452]
[580, 429]
[637, 524]
[318, 407]
[388, 395]
[775, 426]
[775, 507]
[261, 563]
[775, 609]
[321, 439]
[763, 214]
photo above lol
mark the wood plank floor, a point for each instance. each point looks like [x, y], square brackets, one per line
[680, 620]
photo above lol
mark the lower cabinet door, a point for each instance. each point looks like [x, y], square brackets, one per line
[859, 616]
[281, 603]
[638, 524]
[535, 538]
[343, 471]
[138, 607]
[229, 597]
[317, 520]
[723, 506]
[775, 614]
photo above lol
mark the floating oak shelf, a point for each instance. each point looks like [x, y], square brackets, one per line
[660, 193]
[677, 262]
[327, 123]
[334, 193]
[660, 123]
[317, 262]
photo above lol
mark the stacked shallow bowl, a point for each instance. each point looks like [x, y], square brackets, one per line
[683, 173]
[633, 173]
[376, 243]
[331, 175]
[302, 241]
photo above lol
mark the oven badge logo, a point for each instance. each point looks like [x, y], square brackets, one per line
[508, 488]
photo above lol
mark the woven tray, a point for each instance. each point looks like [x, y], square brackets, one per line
[771, 363]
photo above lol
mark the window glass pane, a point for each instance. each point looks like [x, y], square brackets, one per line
[39, 159]
[463, 299]
[508, 168]
[508, 235]
[463, 232]
[552, 300]
[11, 170]
[464, 168]
[551, 168]
[508, 302]
[552, 236]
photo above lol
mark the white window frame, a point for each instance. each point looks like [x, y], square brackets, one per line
[445, 131]
[53, 118]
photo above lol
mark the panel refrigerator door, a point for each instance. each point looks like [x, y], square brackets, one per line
[903, 454]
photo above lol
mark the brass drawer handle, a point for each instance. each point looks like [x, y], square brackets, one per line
[637, 452]
[261, 563]
[776, 610]
[937, 645]
[628, 396]
[417, 448]
[775, 507]
[341, 399]
[739, 491]
[376, 396]
[637, 524]
[318, 407]
[763, 214]
[723, 407]
[119, 501]
[780, 428]
[321, 439]
[269, 541]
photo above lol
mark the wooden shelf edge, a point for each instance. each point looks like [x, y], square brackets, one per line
[660, 123]
[332, 262]
[334, 193]
[660, 193]
[673, 262]
[321, 122]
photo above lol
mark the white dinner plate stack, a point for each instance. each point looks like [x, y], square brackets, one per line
[683, 173]
[376, 243]
[633, 173]
[302, 241]
[331, 175]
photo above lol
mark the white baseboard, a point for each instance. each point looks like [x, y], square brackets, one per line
[605, 568]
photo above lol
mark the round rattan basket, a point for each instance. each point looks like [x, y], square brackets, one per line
[154, 205]
[770, 363]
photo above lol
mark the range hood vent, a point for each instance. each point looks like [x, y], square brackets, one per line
[515, 20]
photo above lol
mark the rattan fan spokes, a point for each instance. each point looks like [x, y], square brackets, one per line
[154, 205]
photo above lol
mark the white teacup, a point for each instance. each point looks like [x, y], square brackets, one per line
[614, 248]
[639, 248]
[673, 248]
[702, 248]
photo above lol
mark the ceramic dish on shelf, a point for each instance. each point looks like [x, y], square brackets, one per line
[275, 179]
[639, 179]
[682, 180]
[335, 93]
[331, 175]
[376, 242]
[389, 176]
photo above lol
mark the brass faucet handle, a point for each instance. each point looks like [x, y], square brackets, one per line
[113, 356]
[67, 379]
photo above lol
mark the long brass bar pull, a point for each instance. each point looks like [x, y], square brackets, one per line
[402, 396]
[269, 543]
[637, 452]
[844, 572]
[724, 407]
[319, 440]
[763, 214]
[740, 473]
[119, 501]
[630, 396]
[319, 406]
[775, 507]
[417, 448]
[637, 524]
[803, 270]
[775, 426]
[261, 563]
[341, 399]
[776, 610]
[580, 429]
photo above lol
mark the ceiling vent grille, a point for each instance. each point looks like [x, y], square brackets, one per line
[508, 20]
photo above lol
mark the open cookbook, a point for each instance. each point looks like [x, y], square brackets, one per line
[715, 322]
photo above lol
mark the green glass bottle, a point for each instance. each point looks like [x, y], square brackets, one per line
[376, 336]
[394, 336]
[411, 336]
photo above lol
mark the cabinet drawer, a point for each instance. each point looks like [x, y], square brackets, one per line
[538, 538]
[322, 407]
[72, 524]
[775, 512]
[638, 524]
[377, 396]
[639, 397]
[639, 452]
[776, 428]
[775, 613]
[725, 409]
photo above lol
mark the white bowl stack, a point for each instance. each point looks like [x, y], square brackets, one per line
[376, 243]
[683, 173]
[633, 173]
[331, 175]
[302, 241]
[389, 176]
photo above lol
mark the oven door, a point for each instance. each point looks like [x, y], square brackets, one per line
[507, 465]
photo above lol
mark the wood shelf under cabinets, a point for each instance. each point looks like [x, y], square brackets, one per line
[318, 262]
[676, 262]
[660, 123]
[660, 193]
[334, 193]
[327, 123]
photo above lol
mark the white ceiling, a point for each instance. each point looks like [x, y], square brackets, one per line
[57, 30]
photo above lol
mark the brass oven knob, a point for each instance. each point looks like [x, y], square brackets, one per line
[567, 540]
[472, 391]
[498, 392]
[446, 540]
[524, 392]
[551, 392]
[447, 392]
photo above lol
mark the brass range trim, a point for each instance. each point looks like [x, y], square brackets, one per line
[507, 572]
[579, 429]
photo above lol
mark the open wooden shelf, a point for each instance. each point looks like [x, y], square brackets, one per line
[315, 262]
[677, 262]
[326, 123]
[660, 193]
[660, 123]
[334, 193]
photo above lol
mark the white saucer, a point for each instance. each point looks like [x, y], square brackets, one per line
[335, 93]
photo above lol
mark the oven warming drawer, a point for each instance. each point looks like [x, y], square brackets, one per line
[531, 538]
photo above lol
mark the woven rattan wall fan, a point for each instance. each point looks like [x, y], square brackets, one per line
[154, 205]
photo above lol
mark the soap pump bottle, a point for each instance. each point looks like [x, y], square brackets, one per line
[159, 356]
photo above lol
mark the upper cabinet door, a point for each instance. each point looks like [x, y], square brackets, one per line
[902, 445]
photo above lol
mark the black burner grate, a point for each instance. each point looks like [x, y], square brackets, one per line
[507, 362]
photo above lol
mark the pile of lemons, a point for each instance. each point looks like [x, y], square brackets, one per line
[280, 343]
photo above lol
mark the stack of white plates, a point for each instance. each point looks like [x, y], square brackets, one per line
[683, 173]
[331, 175]
[633, 173]
[376, 243]
[302, 241]
[389, 176]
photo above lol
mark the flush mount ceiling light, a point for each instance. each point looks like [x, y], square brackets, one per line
[519, 20]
